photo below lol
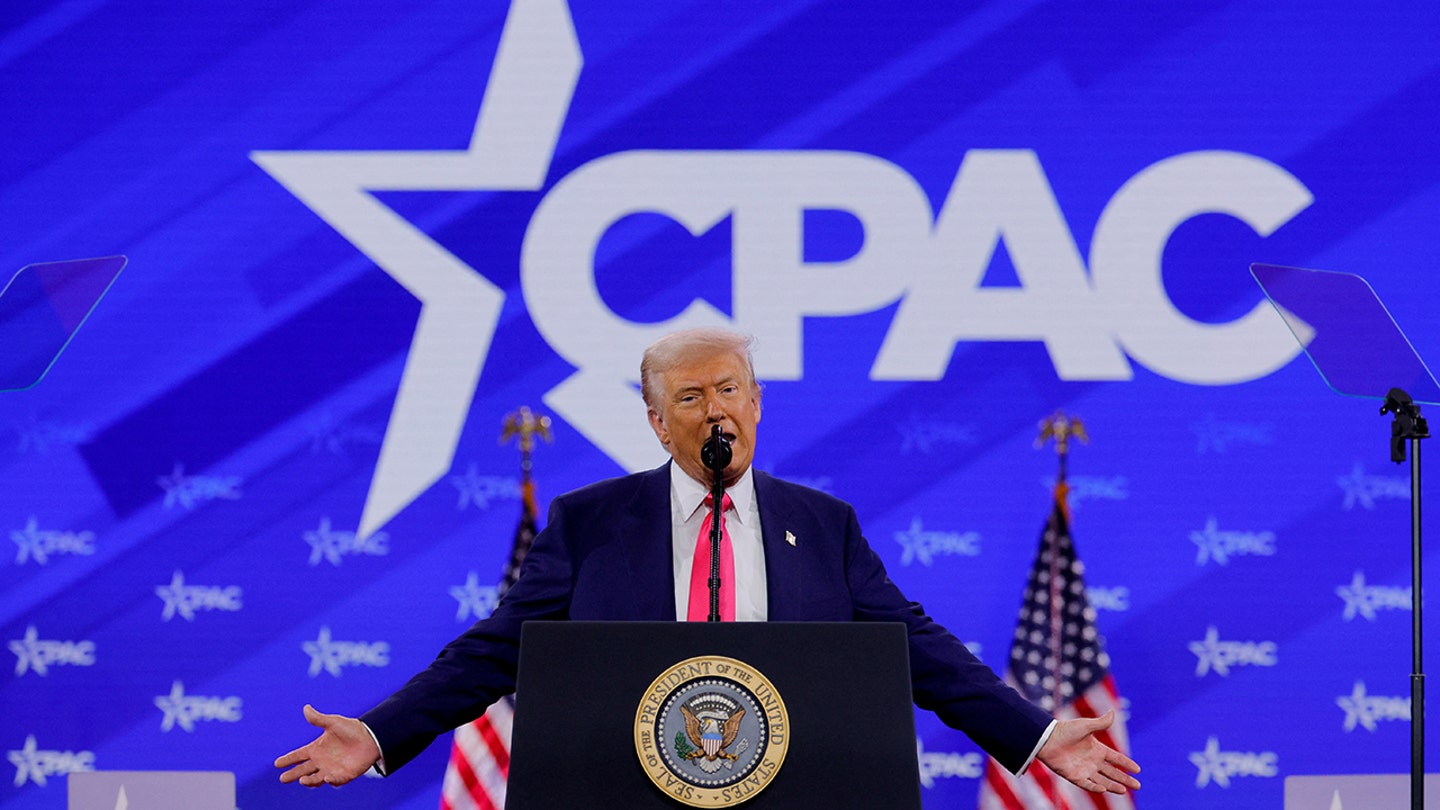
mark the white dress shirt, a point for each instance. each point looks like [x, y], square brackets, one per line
[742, 523]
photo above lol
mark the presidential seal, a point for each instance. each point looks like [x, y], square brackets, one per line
[711, 731]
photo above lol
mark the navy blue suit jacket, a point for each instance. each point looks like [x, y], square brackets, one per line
[606, 554]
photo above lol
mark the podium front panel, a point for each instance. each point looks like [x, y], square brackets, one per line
[846, 688]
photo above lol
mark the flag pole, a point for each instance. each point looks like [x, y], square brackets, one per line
[1057, 657]
[479, 765]
[524, 425]
[1061, 428]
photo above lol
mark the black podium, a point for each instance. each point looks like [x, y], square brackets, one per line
[672, 714]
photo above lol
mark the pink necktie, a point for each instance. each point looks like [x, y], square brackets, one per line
[700, 568]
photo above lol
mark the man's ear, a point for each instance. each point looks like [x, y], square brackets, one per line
[657, 424]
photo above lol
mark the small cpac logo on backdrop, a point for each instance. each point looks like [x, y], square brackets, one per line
[41, 436]
[1368, 711]
[474, 489]
[34, 543]
[1211, 543]
[332, 656]
[1364, 490]
[35, 764]
[1214, 765]
[334, 438]
[189, 491]
[34, 654]
[927, 435]
[331, 544]
[1218, 656]
[947, 765]
[476, 600]
[1115, 600]
[184, 600]
[1215, 436]
[1364, 600]
[186, 710]
[1092, 488]
[923, 546]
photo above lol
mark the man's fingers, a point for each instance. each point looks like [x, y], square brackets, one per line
[310, 776]
[299, 772]
[286, 760]
[1118, 779]
[1094, 724]
[1122, 761]
[318, 718]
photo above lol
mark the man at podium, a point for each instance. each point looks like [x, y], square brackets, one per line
[625, 549]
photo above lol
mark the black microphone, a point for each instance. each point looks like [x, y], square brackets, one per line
[716, 453]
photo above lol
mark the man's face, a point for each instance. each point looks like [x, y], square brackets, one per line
[707, 387]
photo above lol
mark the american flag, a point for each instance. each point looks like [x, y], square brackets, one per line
[1058, 661]
[480, 754]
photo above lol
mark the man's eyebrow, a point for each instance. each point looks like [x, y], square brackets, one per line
[690, 386]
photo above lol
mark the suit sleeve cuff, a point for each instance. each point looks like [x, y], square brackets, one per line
[380, 761]
[1044, 738]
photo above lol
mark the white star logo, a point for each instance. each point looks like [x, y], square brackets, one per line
[1357, 598]
[1208, 654]
[174, 705]
[27, 763]
[475, 599]
[478, 490]
[332, 544]
[33, 764]
[913, 541]
[325, 543]
[322, 654]
[30, 542]
[1357, 708]
[1357, 489]
[1210, 765]
[27, 653]
[1209, 544]
[174, 597]
[531, 82]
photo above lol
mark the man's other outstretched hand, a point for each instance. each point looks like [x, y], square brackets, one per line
[1074, 753]
[343, 751]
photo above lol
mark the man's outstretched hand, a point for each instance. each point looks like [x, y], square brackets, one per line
[343, 751]
[1074, 753]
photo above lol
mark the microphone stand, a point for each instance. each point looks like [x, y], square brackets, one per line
[716, 455]
[1409, 426]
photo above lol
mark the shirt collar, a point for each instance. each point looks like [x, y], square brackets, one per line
[687, 495]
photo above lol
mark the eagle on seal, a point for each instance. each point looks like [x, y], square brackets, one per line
[709, 737]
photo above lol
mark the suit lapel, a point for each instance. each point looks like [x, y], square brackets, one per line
[645, 536]
[782, 561]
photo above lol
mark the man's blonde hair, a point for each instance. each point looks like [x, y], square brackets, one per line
[667, 352]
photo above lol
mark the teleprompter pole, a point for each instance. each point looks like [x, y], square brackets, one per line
[1409, 427]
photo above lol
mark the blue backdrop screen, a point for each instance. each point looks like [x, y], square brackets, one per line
[266, 472]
